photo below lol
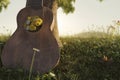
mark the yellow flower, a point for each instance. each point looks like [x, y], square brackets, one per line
[29, 18]
[32, 28]
[32, 23]
[38, 22]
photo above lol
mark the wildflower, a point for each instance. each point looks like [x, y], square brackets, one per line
[52, 74]
[111, 30]
[65, 43]
[105, 58]
[118, 23]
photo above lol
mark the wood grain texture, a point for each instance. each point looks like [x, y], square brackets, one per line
[18, 50]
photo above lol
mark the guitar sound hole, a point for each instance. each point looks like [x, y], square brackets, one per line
[33, 23]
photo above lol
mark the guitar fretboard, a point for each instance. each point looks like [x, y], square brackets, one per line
[34, 3]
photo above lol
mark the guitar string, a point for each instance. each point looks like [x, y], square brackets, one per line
[27, 3]
[43, 9]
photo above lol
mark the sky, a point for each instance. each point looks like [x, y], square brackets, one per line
[87, 15]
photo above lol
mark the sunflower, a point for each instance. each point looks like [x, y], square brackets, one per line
[33, 23]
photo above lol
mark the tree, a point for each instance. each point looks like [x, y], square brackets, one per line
[3, 4]
[67, 7]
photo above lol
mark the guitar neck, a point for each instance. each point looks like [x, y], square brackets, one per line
[34, 3]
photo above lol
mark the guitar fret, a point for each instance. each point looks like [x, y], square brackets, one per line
[35, 3]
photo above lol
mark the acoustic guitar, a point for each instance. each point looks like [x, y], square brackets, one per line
[33, 33]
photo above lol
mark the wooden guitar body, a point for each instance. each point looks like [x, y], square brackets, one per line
[18, 51]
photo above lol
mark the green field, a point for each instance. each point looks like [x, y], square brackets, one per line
[82, 58]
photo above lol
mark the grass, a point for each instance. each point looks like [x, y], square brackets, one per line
[19, 74]
[82, 58]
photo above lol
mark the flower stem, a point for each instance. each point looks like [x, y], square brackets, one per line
[32, 62]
